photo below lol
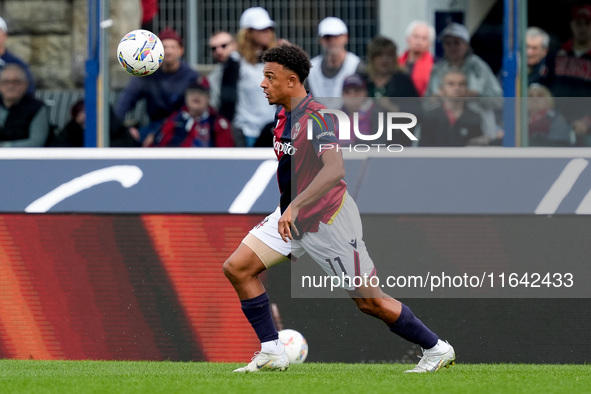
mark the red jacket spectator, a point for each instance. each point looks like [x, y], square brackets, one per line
[182, 130]
[421, 71]
[149, 12]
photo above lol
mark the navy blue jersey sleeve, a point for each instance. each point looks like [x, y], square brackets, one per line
[324, 133]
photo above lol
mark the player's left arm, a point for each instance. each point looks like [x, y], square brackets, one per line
[332, 172]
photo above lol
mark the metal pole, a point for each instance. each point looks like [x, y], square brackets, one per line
[92, 70]
[509, 73]
[517, 80]
[192, 33]
[523, 116]
[104, 81]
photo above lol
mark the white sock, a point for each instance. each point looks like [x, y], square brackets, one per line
[440, 347]
[273, 347]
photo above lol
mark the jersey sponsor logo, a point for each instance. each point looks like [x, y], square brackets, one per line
[283, 147]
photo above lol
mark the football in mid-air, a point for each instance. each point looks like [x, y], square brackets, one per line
[295, 344]
[140, 52]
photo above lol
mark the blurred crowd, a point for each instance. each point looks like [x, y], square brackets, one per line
[457, 97]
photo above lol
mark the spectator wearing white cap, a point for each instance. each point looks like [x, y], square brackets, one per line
[253, 112]
[6, 57]
[256, 35]
[457, 54]
[481, 81]
[330, 69]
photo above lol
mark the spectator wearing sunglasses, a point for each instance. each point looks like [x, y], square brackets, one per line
[223, 79]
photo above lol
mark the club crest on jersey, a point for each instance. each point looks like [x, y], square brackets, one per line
[295, 130]
[283, 147]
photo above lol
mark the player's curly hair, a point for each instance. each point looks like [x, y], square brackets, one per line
[291, 57]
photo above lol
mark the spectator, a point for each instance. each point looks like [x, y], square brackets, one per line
[6, 57]
[451, 121]
[481, 82]
[546, 126]
[386, 79]
[330, 69]
[223, 80]
[72, 134]
[222, 46]
[197, 124]
[253, 112]
[572, 74]
[149, 12]
[537, 43]
[163, 90]
[356, 101]
[389, 83]
[24, 120]
[417, 59]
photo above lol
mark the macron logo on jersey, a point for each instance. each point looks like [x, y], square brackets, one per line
[325, 134]
[283, 147]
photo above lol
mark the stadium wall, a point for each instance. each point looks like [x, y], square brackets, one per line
[120, 287]
[483, 180]
[87, 274]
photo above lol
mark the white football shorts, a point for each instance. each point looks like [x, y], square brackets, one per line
[337, 247]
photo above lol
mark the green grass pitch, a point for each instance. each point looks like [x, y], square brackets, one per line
[18, 376]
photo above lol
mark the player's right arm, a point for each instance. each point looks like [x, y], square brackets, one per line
[332, 172]
[329, 176]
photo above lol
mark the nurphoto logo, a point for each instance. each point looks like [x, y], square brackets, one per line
[391, 120]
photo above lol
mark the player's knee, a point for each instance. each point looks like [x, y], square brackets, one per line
[237, 270]
[230, 268]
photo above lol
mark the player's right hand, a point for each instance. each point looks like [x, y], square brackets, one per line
[286, 223]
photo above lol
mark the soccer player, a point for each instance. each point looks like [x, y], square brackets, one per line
[321, 219]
